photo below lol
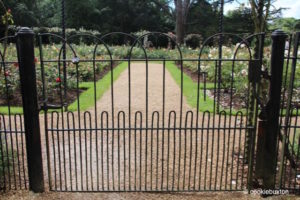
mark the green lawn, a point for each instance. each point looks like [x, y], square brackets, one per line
[13, 110]
[86, 98]
[190, 90]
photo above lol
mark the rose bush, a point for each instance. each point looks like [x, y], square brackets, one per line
[233, 74]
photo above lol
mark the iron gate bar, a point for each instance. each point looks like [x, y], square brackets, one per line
[253, 104]
[221, 17]
[150, 59]
[286, 174]
[133, 128]
[10, 128]
[283, 98]
[289, 103]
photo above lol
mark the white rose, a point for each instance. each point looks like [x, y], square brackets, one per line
[244, 72]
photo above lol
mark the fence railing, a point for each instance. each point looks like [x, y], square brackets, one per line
[13, 154]
[85, 147]
[289, 136]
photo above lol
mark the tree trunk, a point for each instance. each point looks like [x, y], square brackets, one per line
[179, 22]
[182, 8]
[260, 13]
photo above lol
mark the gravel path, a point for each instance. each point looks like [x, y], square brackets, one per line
[25, 195]
[150, 159]
[143, 159]
[138, 91]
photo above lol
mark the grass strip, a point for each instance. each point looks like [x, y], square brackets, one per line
[86, 99]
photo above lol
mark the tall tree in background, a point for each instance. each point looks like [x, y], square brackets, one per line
[203, 18]
[25, 11]
[6, 20]
[288, 25]
[133, 15]
[239, 20]
[179, 13]
[79, 13]
[262, 11]
[181, 9]
[49, 13]
[181, 16]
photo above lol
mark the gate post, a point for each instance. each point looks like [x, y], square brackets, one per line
[269, 124]
[25, 47]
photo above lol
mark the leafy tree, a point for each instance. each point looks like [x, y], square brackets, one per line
[130, 16]
[49, 13]
[202, 18]
[262, 12]
[288, 25]
[182, 16]
[79, 13]
[6, 20]
[23, 11]
[239, 21]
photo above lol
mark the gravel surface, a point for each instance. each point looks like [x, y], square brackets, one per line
[135, 196]
[142, 160]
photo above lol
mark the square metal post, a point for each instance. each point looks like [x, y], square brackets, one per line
[25, 46]
[269, 127]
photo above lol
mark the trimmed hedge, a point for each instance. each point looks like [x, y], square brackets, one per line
[157, 41]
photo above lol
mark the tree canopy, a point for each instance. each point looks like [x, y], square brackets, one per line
[197, 16]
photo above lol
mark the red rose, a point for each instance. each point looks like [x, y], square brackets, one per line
[16, 64]
[58, 80]
[6, 73]
[35, 60]
[9, 10]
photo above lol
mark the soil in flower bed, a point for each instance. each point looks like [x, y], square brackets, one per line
[16, 100]
[237, 101]
[225, 99]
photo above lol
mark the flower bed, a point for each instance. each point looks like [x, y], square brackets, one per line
[234, 75]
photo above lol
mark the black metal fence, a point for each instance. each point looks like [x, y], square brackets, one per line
[141, 121]
[13, 157]
[289, 139]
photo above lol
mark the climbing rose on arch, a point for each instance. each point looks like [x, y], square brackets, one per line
[58, 80]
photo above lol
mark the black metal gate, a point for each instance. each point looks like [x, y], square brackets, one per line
[117, 116]
[129, 143]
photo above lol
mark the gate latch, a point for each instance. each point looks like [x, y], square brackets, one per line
[50, 106]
